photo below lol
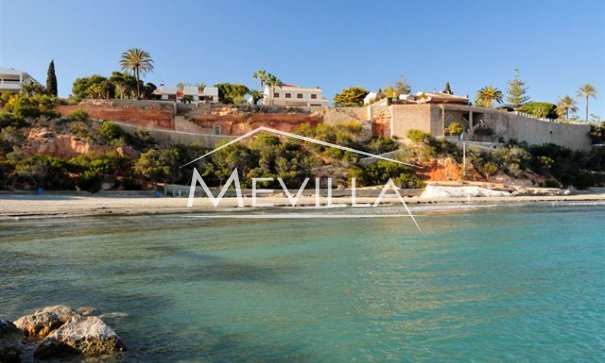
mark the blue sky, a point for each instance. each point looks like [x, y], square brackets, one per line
[557, 45]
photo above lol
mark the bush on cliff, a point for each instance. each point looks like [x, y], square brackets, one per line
[380, 172]
[32, 106]
[231, 93]
[540, 109]
[350, 97]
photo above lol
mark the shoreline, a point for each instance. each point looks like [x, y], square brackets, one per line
[30, 206]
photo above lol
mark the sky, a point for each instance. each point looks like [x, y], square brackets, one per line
[557, 45]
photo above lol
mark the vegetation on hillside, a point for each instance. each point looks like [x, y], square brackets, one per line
[118, 86]
[230, 93]
[352, 96]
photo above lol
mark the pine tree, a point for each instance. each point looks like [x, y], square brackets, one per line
[517, 92]
[448, 89]
[51, 79]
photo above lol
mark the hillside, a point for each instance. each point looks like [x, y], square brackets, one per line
[40, 148]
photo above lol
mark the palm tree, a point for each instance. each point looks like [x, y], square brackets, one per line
[487, 95]
[273, 82]
[566, 105]
[587, 91]
[139, 61]
[256, 95]
[261, 75]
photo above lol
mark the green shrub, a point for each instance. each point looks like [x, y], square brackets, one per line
[380, 172]
[32, 106]
[77, 115]
[489, 169]
[110, 131]
[90, 180]
[455, 128]
[80, 130]
[552, 183]
[11, 120]
[381, 145]
[540, 109]
[484, 131]
[419, 136]
[597, 133]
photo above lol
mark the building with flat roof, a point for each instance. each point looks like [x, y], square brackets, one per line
[418, 98]
[12, 80]
[174, 93]
[290, 95]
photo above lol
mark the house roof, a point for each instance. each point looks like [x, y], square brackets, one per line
[439, 97]
[11, 71]
[294, 86]
[187, 90]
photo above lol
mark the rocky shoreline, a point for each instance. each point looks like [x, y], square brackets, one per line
[58, 331]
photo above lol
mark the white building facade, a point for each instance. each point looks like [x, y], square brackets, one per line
[290, 95]
[12, 80]
[193, 93]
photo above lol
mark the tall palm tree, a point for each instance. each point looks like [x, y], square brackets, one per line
[139, 62]
[273, 82]
[566, 105]
[587, 91]
[261, 75]
[487, 95]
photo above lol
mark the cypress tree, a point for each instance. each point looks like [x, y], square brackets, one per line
[448, 89]
[51, 79]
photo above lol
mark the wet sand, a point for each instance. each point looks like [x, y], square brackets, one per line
[18, 206]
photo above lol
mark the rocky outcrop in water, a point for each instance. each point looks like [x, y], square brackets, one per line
[43, 321]
[87, 335]
[59, 331]
[11, 342]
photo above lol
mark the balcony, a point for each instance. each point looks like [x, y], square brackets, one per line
[6, 85]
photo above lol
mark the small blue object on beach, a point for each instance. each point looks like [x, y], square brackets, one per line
[157, 194]
[39, 190]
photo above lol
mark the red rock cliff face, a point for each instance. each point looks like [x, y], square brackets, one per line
[160, 116]
[43, 141]
[239, 123]
[382, 124]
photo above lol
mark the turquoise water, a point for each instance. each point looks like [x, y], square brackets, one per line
[499, 284]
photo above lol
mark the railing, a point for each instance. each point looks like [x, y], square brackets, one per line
[524, 114]
[10, 84]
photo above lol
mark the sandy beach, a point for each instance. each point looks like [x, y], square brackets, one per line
[27, 206]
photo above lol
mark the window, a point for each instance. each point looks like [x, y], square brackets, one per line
[288, 95]
[299, 95]
[314, 96]
[217, 130]
[275, 94]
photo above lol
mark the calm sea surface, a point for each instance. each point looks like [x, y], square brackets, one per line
[496, 284]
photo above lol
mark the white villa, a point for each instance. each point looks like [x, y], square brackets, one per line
[291, 95]
[418, 98]
[174, 93]
[12, 80]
